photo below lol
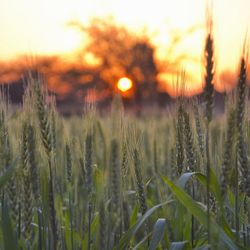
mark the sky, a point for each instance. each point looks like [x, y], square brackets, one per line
[41, 26]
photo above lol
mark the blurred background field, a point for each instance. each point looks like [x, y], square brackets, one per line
[83, 48]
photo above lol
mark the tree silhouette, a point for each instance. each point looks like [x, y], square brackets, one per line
[118, 53]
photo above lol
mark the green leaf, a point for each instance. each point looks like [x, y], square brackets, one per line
[124, 241]
[215, 189]
[199, 213]
[181, 245]
[182, 181]
[93, 233]
[134, 214]
[10, 242]
[214, 185]
[207, 247]
[140, 244]
[158, 233]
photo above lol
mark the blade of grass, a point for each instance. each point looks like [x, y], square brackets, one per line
[158, 232]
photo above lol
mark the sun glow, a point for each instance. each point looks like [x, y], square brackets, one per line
[176, 29]
[124, 84]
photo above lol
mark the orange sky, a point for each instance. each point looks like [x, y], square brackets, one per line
[40, 26]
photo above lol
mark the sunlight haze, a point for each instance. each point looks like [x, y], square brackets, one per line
[40, 27]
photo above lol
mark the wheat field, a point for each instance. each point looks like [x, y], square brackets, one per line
[175, 180]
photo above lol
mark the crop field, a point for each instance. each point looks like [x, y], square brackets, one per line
[178, 179]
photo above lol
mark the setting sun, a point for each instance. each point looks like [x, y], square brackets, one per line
[124, 84]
